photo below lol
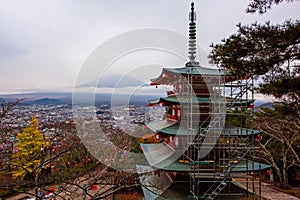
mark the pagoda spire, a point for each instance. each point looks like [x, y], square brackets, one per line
[192, 37]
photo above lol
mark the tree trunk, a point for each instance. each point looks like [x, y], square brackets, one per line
[277, 169]
[36, 184]
[284, 183]
[279, 174]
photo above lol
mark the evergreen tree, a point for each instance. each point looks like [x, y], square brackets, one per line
[270, 52]
[261, 6]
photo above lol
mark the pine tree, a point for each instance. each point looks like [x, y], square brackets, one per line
[270, 53]
[261, 6]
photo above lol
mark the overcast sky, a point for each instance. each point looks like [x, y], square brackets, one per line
[44, 43]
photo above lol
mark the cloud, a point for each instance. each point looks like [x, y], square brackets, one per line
[43, 44]
[9, 51]
[115, 81]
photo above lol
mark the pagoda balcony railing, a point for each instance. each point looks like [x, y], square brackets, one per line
[171, 93]
[172, 117]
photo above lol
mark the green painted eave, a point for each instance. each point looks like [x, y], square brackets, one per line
[176, 129]
[159, 124]
[239, 132]
[196, 71]
[242, 166]
[248, 165]
[198, 100]
[181, 100]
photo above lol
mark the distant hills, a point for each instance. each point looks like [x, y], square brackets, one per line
[46, 101]
[66, 98]
[40, 98]
[108, 81]
[56, 98]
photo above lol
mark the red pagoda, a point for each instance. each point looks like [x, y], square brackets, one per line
[199, 153]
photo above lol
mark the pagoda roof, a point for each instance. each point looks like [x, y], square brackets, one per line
[176, 129]
[153, 185]
[241, 166]
[196, 71]
[235, 132]
[242, 102]
[180, 100]
[160, 154]
[159, 124]
[188, 70]
[248, 165]
[197, 100]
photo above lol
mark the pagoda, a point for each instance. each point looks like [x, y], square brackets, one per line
[200, 151]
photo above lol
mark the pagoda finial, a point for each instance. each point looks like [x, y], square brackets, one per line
[192, 12]
[192, 35]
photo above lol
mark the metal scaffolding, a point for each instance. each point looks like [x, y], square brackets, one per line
[206, 139]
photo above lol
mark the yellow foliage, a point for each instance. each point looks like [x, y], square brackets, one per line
[30, 154]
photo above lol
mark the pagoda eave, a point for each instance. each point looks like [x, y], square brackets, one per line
[176, 100]
[176, 129]
[204, 167]
[158, 124]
